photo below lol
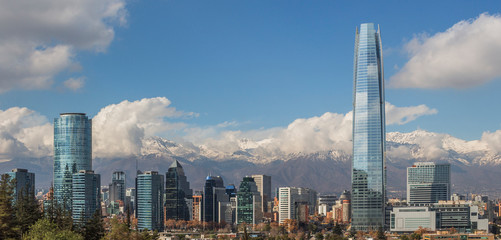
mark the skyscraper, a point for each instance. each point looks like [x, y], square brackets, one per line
[214, 192]
[177, 192]
[86, 195]
[263, 183]
[149, 201]
[25, 183]
[428, 182]
[369, 167]
[117, 187]
[72, 152]
[248, 202]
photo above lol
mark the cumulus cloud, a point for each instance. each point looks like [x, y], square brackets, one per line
[41, 38]
[331, 131]
[74, 83]
[24, 132]
[493, 140]
[118, 129]
[465, 55]
[403, 115]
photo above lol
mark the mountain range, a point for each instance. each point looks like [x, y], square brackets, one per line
[474, 168]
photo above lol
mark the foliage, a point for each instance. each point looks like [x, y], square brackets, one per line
[27, 210]
[319, 236]
[337, 230]
[380, 234]
[94, 227]
[45, 229]
[8, 228]
[118, 231]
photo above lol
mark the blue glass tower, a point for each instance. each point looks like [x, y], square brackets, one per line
[368, 167]
[72, 152]
[86, 198]
[150, 201]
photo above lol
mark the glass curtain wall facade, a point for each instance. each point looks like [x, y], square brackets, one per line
[368, 167]
[25, 183]
[177, 192]
[149, 201]
[117, 187]
[248, 202]
[72, 152]
[214, 192]
[428, 182]
[86, 195]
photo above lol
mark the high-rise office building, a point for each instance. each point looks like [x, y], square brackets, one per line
[25, 183]
[86, 200]
[177, 193]
[248, 202]
[286, 198]
[428, 182]
[263, 183]
[197, 206]
[149, 201]
[117, 187]
[292, 199]
[368, 168]
[72, 152]
[214, 192]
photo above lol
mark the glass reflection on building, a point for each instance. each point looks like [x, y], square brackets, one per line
[72, 152]
[368, 168]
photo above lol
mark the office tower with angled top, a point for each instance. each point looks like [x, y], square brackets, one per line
[368, 166]
[177, 194]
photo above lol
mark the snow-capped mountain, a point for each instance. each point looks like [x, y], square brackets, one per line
[474, 165]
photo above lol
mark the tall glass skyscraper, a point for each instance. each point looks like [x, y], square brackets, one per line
[369, 167]
[428, 182]
[248, 202]
[150, 200]
[214, 192]
[86, 198]
[72, 152]
[177, 193]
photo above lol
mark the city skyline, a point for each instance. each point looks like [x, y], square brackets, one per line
[325, 43]
[316, 117]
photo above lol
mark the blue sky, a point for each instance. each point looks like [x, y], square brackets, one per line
[261, 64]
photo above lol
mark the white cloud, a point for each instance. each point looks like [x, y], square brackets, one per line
[41, 38]
[23, 132]
[493, 140]
[74, 83]
[403, 115]
[331, 131]
[118, 129]
[466, 55]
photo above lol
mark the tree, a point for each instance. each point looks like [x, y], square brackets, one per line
[45, 229]
[118, 231]
[380, 234]
[337, 230]
[8, 228]
[93, 228]
[27, 210]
